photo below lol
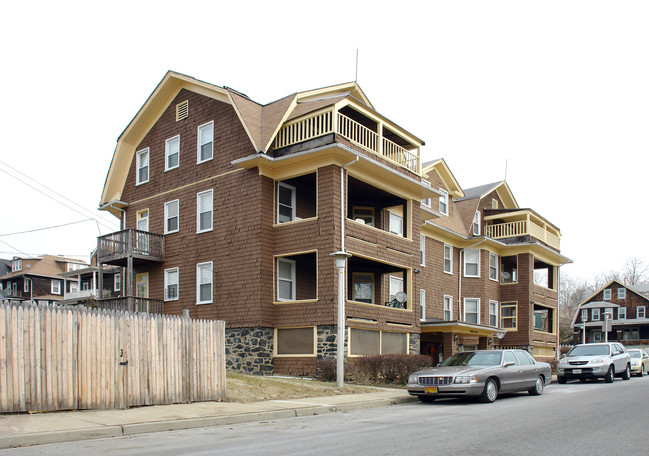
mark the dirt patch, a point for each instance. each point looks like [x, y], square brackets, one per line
[250, 388]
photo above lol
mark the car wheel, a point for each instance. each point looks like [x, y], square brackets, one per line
[538, 387]
[490, 392]
[627, 373]
[562, 380]
[423, 398]
[610, 375]
[641, 371]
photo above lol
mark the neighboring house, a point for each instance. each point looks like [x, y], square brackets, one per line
[231, 210]
[626, 307]
[85, 289]
[39, 279]
[491, 275]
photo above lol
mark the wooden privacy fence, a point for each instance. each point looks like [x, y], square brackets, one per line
[68, 358]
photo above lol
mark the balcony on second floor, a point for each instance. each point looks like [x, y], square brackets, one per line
[521, 224]
[141, 246]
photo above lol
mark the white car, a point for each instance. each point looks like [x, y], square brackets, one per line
[593, 361]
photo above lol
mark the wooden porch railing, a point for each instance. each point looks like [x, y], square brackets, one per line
[522, 228]
[321, 124]
[131, 304]
[130, 242]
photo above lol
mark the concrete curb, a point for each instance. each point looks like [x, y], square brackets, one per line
[298, 408]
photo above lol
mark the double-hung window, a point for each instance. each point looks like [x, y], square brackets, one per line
[448, 259]
[595, 314]
[56, 287]
[607, 294]
[204, 208]
[286, 197]
[472, 310]
[448, 308]
[204, 283]
[493, 313]
[142, 166]
[422, 304]
[422, 250]
[584, 315]
[426, 201]
[508, 311]
[171, 284]
[472, 263]
[621, 313]
[396, 224]
[476, 223]
[172, 152]
[205, 142]
[117, 281]
[641, 312]
[493, 266]
[621, 293]
[443, 202]
[171, 216]
[285, 279]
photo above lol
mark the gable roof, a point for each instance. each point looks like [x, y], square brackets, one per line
[261, 122]
[444, 172]
[501, 187]
[45, 266]
[586, 303]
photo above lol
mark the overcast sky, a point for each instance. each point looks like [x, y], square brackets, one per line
[554, 93]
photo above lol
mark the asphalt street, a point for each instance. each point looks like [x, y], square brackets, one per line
[577, 418]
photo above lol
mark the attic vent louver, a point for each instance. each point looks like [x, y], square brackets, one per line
[182, 110]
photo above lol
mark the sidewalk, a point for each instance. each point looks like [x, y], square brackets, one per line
[42, 428]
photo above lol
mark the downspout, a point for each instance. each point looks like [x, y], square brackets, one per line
[459, 279]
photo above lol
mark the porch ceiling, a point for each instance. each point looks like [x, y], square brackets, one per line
[461, 328]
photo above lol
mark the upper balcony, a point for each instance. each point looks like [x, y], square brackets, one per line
[366, 130]
[518, 223]
[116, 248]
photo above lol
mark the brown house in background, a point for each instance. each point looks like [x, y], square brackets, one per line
[625, 308]
[231, 210]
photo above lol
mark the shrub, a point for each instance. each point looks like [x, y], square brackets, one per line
[326, 369]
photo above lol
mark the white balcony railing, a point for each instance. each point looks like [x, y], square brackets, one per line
[81, 294]
[321, 124]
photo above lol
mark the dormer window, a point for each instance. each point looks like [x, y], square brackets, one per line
[16, 265]
[476, 223]
[443, 201]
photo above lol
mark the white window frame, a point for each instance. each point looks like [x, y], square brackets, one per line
[607, 294]
[641, 310]
[595, 315]
[448, 248]
[448, 307]
[476, 223]
[168, 283]
[477, 302]
[290, 280]
[168, 206]
[209, 194]
[465, 263]
[621, 313]
[117, 281]
[396, 285]
[200, 267]
[493, 268]
[422, 250]
[422, 305]
[26, 284]
[55, 287]
[17, 265]
[584, 314]
[209, 126]
[426, 201]
[443, 202]
[293, 204]
[169, 143]
[395, 219]
[493, 305]
[621, 293]
[139, 166]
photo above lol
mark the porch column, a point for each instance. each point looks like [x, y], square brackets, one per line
[450, 346]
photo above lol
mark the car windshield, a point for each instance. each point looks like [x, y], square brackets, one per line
[589, 350]
[473, 359]
[635, 354]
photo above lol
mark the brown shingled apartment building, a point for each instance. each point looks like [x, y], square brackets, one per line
[231, 210]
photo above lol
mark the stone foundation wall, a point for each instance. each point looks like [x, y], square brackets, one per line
[249, 350]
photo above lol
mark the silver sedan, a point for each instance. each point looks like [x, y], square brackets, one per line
[482, 374]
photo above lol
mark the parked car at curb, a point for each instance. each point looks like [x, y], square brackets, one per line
[592, 361]
[639, 361]
[483, 374]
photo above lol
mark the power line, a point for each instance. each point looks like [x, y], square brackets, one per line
[46, 228]
[49, 196]
[53, 191]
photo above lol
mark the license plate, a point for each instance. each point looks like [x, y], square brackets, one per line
[576, 371]
[430, 389]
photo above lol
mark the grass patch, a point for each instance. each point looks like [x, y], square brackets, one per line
[254, 388]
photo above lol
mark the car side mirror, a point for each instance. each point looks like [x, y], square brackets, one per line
[509, 363]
